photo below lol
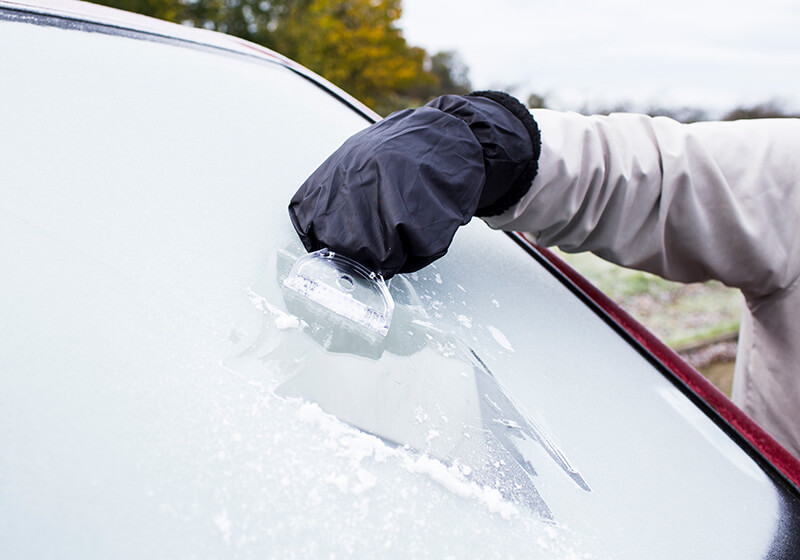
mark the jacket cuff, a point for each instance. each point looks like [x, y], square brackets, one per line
[523, 183]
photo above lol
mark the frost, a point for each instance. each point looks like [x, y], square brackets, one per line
[350, 442]
[507, 423]
[451, 478]
[357, 446]
[339, 481]
[500, 338]
[491, 402]
[223, 524]
[261, 303]
[366, 480]
[285, 321]
[446, 349]
[236, 336]
[424, 324]
[311, 413]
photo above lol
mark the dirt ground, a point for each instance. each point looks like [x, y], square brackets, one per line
[715, 360]
[721, 375]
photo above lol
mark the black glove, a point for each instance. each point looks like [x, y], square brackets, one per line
[393, 195]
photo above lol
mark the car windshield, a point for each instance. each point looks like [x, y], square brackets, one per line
[161, 395]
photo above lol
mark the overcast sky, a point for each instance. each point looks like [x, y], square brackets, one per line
[700, 53]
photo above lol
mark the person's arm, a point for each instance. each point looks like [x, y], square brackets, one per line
[687, 202]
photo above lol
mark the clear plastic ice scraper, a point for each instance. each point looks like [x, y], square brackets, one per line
[329, 287]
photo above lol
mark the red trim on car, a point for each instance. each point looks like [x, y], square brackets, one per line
[769, 448]
[262, 50]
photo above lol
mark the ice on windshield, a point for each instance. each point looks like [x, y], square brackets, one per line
[435, 392]
[428, 391]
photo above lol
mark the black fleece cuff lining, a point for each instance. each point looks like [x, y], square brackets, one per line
[523, 183]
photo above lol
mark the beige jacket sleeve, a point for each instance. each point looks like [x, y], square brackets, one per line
[687, 202]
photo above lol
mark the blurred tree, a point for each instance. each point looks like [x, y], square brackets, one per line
[451, 73]
[536, 101]
[680, 114]
[253, 20]
[447, 74]
[769, 109]
[170, 10]
[355, 44]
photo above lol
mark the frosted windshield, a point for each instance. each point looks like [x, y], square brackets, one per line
[159, 398]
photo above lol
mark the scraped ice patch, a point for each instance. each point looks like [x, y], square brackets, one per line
[350, 442]
[500, 338]
[452, 479]
[286, 321]
[507, 423]
[283, 320]
[357, 446]
[465, 321]
[432, 434]
[495, 302]
[438, 278]
[492, 403]
[446, 348]
[261, 303]
[428, 326]
[311, 413]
